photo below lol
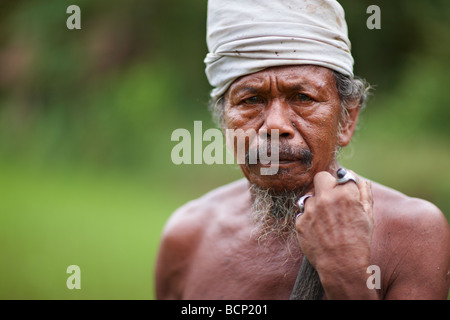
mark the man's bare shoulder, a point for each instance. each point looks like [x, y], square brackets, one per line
[394, 207]
[412, 237]
[188, 227]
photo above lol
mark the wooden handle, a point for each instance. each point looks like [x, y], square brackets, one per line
[307, 285]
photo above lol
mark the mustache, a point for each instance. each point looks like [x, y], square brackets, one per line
[286, 152]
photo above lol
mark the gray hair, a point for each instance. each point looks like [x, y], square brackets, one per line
[350, 90]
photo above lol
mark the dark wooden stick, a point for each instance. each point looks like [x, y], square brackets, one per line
[307, 285]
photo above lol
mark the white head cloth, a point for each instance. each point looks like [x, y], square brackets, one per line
[247, 36]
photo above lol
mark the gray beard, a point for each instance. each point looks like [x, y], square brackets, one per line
[274, 213]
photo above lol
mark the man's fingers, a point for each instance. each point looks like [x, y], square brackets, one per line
[323, 183]
[365, 194]
[365, 191]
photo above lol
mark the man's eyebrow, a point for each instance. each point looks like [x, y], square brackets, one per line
[291, 87]
[299, 85]
[244, 90]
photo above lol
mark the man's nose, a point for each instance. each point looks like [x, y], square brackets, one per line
[277, 117]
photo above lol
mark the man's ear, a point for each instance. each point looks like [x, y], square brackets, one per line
[348, 125]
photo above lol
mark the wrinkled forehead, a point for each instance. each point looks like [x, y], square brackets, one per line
[286, 78]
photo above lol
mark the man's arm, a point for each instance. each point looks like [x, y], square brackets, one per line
[178, 242]
[410, 243]
[168, 268]
[422, 254]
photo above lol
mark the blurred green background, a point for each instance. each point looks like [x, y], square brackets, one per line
[86, 118]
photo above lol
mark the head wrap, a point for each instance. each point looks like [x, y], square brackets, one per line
[247, 36]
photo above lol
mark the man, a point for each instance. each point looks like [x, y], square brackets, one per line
[285, 67]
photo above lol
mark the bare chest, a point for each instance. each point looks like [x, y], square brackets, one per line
[243, 269]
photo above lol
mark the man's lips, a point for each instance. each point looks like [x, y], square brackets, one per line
[282, 163]
[287, 161]
[287, 156]
[284, 160]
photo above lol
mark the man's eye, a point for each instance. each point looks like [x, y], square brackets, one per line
[252, 100]
[301, 97]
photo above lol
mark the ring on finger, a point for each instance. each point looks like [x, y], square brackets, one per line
[301, 204]
[345, 176]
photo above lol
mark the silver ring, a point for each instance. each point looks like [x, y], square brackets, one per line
[301, 204]
[345, 176]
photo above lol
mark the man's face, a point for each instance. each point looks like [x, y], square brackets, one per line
[303, 104]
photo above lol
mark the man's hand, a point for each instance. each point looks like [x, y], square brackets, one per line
[335, 233]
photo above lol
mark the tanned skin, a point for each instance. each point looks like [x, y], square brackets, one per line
[210, 247]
